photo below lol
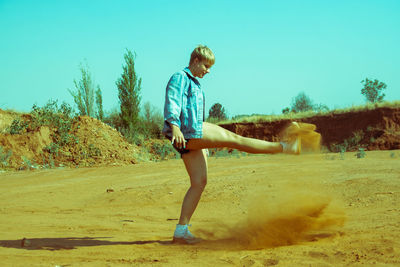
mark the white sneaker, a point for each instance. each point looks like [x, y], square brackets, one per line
[292, 145]
[182, 235]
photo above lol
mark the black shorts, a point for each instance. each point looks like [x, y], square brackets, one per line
[180, 150]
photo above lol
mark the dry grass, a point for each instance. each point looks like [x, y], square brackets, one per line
[309, 114]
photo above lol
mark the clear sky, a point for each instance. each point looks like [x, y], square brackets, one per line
[266, 51]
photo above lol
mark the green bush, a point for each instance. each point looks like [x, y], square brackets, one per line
[53, 148]
[163, 150]
[132, 137]
[149, 125]
[57, 118]
[360, 153]
[151, 121]
[349, 144]
[28, 164]
[342, 151]
[213, 120]
[17, 126]
[4, 157]
[339, 147]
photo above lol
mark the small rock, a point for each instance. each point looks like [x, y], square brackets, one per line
[271, 262]
[25, 242]
[127, 221]
[110, 190]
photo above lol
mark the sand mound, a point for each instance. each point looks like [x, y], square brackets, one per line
[97, 144]
[25, 149]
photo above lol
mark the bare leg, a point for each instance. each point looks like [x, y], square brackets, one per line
[216, 136]
[196, 166]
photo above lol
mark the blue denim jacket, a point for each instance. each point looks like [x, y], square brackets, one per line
[184, 105]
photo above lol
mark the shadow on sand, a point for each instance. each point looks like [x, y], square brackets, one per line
[70, 243]
[76, 242]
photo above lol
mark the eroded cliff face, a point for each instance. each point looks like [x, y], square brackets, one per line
[377, 129]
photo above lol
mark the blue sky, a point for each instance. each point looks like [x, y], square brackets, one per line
[266, 51]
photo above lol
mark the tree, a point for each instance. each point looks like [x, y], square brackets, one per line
[152, 121]
[84, 94]
[302, 103]
[285, 110]
[149, 111]
[129, 87]
[372, 90]
[113, 118]
[217, 111]
[99, 104]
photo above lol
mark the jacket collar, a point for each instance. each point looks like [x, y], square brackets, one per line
[187, 70]
[189, 73]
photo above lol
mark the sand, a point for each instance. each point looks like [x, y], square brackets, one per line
[265, 210]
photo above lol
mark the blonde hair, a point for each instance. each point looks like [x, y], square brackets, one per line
[202, 53]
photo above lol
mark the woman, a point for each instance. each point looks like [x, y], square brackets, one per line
[184, 125]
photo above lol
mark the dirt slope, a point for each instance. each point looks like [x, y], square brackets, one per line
[377, 129]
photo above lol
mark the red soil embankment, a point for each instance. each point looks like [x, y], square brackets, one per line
[377, 129]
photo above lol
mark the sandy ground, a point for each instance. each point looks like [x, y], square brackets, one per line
[268, 210]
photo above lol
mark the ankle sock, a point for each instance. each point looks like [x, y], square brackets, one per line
[180, 230]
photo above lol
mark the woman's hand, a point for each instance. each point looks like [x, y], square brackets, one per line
[177, 137]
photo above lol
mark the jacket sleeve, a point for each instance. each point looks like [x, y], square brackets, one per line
[173, 98]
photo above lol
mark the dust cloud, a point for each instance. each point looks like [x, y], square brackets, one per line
[310, 139]
[287, 217]
[291, 214]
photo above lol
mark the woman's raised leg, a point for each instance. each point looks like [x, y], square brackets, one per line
[216, 136]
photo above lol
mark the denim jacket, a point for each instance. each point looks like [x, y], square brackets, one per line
[184, 105]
